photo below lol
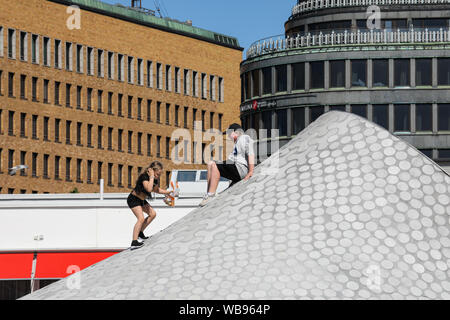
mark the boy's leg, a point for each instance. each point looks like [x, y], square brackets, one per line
[213, 177]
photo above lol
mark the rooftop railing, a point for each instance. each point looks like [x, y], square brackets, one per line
[347, 37]
[311, 5]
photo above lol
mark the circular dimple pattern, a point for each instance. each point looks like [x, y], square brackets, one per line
[353, 212]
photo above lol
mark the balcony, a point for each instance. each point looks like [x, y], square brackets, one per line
[312, 5]
[334, 38]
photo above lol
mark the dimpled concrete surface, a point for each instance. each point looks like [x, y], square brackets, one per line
[345, 210]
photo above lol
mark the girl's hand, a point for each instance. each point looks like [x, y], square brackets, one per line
[150, 172]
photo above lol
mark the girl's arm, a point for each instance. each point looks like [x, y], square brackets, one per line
[159, 190]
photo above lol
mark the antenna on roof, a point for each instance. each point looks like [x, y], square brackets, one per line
[136, 3]
[158, 9]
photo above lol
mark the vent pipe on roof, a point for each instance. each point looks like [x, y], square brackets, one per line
[136, 3]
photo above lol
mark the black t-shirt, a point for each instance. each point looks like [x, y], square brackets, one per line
[140, 184]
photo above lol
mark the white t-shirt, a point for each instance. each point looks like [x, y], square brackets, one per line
[243, 147]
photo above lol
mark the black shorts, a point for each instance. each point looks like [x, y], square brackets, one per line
[134, 201]
[229, 171]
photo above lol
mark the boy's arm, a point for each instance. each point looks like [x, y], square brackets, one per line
[251, 159]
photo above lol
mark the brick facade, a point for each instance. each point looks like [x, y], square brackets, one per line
[30, 114]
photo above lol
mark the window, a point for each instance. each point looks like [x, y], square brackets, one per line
[35, 48]
[186, 176]
[194, 116]
[444, 154]
[186, 81]
[158, 146]
[23, 79]
[100, 137]
[57, 87]
[88, 173]
[130, 107]
[23, 125]
[11, 123]
[69, 56]
[380, 115]
[99, 171]
[68, 88]
[119, 140]
[298, 120]
[246, 84]
[120, 67]
[315, 112]
[423, 72]
[220, 121]
[11, 84]
[1, 48]
[45, 89]
[443, 116]
[110, 138]
[130, 176]
[401, 72]
[23, 46]
[68, 164]
[380, 71]
[110, 106]
[100, 64]
[267, 122]
[90, 61]
[58, 54]
[443, 66]
[212, 88]
[424, 117]
[46, 51]
[139, 109]
[140, 71]
[34, 88]
[57, 125]
[149, 110]
[110, 169]
[177, 80]
[68, 124]
[203, 120]
[194, 83]
[158, 76]
[337, 74]
[110, 65]
[100, 101]
[316, 74]
[34, 156]
[119, 104]
[34, 120]
[402, 118]
[79, 125]
[23, 155]
[203, 85]
[185, 117]
[79, 57]
[57, 163]
[149, 144]
[11, 43]
[282, 122]
[79, 162]
[211, 120]
[130, 68]
[167, 114]
[130, 141]
[139, 143]
[149, 74]
[168, 78]
[221, 89]
[167, 147]
[177, 111]
[281, 78]
[360, 110]
[359, 73]
[46, 120]
[45, 169]
[158, 112]
[298, 76]
[89, 99]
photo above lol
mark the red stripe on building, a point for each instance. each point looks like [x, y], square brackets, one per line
[16, 265]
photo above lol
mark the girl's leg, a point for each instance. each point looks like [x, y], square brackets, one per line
[138, 212]
[151, 215]
[214, 177]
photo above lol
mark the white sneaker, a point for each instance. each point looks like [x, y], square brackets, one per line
[206, 199]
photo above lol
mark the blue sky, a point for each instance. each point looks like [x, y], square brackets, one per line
[247, 20]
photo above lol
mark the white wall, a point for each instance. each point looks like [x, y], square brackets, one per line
[77, 222]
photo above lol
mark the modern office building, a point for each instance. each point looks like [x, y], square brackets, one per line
[92, 91]
[386, 60]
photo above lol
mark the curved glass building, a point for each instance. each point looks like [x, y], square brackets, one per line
[386, 60]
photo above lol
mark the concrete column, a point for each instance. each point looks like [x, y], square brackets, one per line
[369, 73]
[289, 78]
[369, 112]
[434, 76]
[412, 68]
[348, 74]
[434, 115]
[289, 122]
[391, 73]
[326, 70]
[260, 82]
[307, 120]
[391, 116]
[413, 117]
[274, 80]
[307, 77]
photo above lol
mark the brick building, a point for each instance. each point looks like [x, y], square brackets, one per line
[101, 101]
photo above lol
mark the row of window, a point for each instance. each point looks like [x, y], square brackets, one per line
[135, 107]
[41, 164]
[85, 134]
[271, 80]
[170, 78]
[388, 24]
[423, 116]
